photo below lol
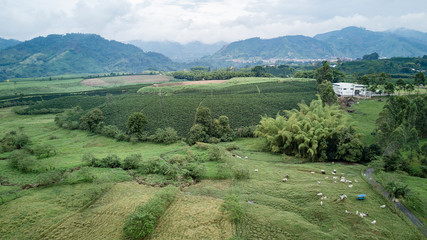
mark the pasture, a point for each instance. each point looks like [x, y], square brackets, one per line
[273, 209]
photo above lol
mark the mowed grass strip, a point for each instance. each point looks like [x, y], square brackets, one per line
[104, 219]
[29, 216]
[193, 217]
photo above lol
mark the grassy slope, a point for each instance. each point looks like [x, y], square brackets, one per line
[365, 115]
[280, 210]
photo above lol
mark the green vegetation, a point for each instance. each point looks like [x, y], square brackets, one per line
[143, 221]
[95, 203]
[316, 132]
[243, 101]
[76, 54]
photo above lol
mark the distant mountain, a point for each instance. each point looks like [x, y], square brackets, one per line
[4, 43]
[354, 42]
[351, 42]
[76, 53]
[411, 34]
[180, 52]
[288, 47]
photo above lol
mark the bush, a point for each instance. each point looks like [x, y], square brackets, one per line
[44, 151]
[23, 161]
[132, 162]
[233, 208]
[245, 132]
[14, 140]
[153, 166]
[143, 221]
[223, 171]
[216, 153]
[49, 177]
[167, 136]
[232, 146]
[90, 160]
[195, 171]
[111, 161]
[110, 131]
[240, 172]
[83, 175]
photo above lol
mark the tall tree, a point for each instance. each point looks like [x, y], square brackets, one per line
[136, 123]
[419, 79]
[92, 119]
[324, 73]
[327, 93]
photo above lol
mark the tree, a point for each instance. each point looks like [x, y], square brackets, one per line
[409, 87]
[389, 88]
[136, 123]
[92, 119]
[400, 84]
[258, 71]
[204, 118]
[318, 132]
[372, 56]
[324, 73]
[419, 79]
[327, 93]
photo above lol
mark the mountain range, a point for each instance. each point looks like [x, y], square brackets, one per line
[89, 53]
[350, 42]
[76, 53]
[177, 52]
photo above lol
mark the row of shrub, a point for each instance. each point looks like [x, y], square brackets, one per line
[143, 221]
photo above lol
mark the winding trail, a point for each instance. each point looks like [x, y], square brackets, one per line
[369, 174]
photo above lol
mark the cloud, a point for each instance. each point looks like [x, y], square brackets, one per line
[204, 20]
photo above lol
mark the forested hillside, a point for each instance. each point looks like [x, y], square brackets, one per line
[76, 53]
[350, 42]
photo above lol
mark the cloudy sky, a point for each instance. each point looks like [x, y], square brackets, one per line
[204, 20]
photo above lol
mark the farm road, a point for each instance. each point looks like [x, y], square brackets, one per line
[369, 173]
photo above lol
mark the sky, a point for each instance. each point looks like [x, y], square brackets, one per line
[207, 21]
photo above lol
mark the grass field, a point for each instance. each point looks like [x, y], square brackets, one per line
[365, 116]
[274, 209]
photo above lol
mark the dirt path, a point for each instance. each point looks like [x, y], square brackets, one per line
[369, 174]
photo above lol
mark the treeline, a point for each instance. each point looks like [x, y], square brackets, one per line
[400, 127]
[202, 73]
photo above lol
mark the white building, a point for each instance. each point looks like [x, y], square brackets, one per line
[349, 89]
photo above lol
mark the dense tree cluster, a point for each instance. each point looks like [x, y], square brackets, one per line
[318, 132]
[401, 124]
[207, 129]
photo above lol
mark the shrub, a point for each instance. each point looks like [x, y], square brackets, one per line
[216, 153]
[83, 175]
[49, 177]
[167, 136]
[90, 160]
[240, 172]
[14, 140]
[233, 208]
[23, 161]
[111, 161]
[232, 146]
[197, 134]
[223, 171]
[44, 151]
[153, 166]
[245, 132]
[110, 131]
[132, 162]
[178, 159]
[143, 221]
[195, 171]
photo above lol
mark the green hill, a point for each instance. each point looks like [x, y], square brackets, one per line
[5, 43]
[355, 42]
[350, 42]
[76, 53]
